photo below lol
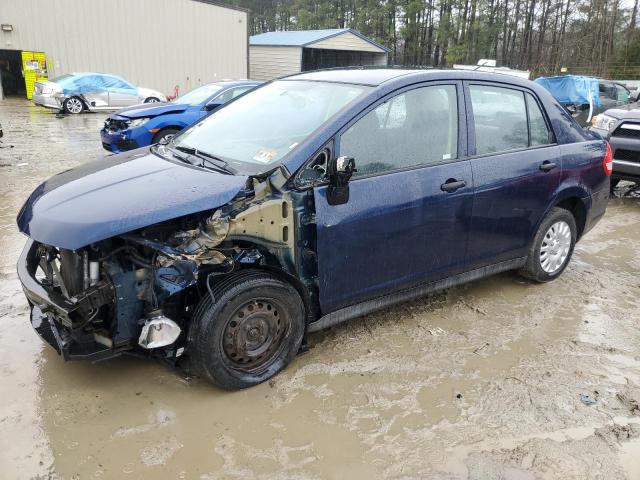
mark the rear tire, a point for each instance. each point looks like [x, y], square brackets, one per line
[552, 246]
[151, 100]
[165, 134]
[73, 105]
[252, 330]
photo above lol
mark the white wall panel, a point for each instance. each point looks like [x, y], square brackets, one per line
[152, 43]
[267, 63]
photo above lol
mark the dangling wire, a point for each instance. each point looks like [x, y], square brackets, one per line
[215, 274]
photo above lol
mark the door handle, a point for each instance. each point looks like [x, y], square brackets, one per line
[547, 166]
[451, 185]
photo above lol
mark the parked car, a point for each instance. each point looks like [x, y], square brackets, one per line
[142, 125]
[586, 97]
[621, 128]
[76, 92]
[314, 199]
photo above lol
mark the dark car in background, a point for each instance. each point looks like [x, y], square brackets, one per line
[586, 97]
[621, 128]
[142, 125]
[314, 199]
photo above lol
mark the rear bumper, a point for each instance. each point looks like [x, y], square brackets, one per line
[51, 311]
[47, 101]
[596, 206]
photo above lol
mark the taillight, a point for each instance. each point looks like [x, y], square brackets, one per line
[607, 161]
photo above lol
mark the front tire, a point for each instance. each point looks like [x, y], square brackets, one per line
[552, 246]
[73, 105]
[164, 135]
[249, 333]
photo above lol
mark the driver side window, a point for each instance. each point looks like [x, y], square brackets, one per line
[418, 127]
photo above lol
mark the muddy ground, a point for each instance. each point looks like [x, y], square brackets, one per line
[485, 381]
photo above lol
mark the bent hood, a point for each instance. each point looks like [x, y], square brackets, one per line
[151, 110]
[626, 112]
[119, 194]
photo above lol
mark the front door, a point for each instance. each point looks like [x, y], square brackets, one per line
[516, 171]
[121, 93]
[409, 210]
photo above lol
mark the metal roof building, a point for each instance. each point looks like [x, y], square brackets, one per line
[275, 54]
[149, 43]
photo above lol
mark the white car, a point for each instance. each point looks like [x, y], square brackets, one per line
[76, 92]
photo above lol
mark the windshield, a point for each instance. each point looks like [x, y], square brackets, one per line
[198, 95]
[255, 131]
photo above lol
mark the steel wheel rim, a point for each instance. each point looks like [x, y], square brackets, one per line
[254, 335]
[555, 247]
[74, 105]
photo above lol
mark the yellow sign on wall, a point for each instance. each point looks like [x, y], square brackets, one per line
[34, 66]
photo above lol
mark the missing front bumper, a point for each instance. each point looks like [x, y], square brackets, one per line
[53, 315]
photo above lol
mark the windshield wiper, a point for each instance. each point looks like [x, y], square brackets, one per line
[214, 162]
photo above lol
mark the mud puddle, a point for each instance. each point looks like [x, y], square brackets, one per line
[479, 382]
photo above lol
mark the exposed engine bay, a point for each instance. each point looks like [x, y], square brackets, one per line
[137, 292]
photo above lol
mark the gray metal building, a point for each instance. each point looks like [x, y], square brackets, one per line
[152, 43]
[275, 54]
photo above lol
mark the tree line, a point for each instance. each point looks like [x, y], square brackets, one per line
[591, 37]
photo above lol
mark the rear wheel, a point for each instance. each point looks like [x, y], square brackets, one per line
[164, 135]
[249, 332]
[152, 100]
[73, 105]
[552, 246]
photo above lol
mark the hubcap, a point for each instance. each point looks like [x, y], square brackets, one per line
[152, 100]
[74, 105]
[253, 336]
[555, 247]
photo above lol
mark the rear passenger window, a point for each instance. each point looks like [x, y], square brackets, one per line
[500, 119]
[419, 127]
[537, 125]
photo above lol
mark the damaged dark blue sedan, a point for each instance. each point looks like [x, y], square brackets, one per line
[309, 201]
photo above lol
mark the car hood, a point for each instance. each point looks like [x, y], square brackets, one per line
[151, 110]
[626, 112]
[118, 194]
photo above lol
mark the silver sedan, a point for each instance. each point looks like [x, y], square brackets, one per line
[76, 92]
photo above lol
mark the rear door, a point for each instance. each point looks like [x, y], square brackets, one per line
[400, 226]
[516, 170]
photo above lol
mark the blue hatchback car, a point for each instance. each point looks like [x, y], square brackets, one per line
[314, 199]
[141, 125]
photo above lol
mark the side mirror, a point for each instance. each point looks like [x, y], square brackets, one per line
[635, 95]
[339, 171]
[211, 106]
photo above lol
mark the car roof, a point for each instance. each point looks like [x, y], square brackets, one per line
[380, 76]
[236, 82]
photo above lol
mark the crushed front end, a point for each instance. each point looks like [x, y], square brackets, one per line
[108, 298]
